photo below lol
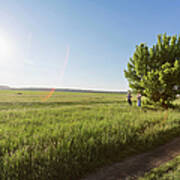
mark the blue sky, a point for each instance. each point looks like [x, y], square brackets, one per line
[101, 34]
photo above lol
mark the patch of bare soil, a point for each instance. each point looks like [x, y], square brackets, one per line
[134, 167]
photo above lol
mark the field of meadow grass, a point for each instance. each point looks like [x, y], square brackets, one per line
[72, 134]
[167, 171]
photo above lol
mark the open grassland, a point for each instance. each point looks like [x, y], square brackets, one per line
[167, 171]
[74, 133]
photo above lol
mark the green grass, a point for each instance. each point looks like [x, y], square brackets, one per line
[74, 133]
[167, 171]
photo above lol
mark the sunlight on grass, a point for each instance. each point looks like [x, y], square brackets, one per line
[74, 133]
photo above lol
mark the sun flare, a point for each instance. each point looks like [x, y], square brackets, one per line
[5, 48]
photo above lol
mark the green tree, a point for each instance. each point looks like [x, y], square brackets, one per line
[155, 71]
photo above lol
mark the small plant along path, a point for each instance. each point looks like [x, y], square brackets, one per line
[134, 167]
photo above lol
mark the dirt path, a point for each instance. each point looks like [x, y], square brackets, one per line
[136, 166]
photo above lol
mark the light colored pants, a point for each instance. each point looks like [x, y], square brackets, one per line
[139, 103]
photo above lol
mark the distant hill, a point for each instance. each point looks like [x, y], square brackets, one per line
[4, 87]
[60, 90]
[68, 90]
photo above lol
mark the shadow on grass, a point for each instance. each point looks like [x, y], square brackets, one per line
[149, 108]
[176, 107]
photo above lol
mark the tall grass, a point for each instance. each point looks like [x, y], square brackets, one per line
[59, 141]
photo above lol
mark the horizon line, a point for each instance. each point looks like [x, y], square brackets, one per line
[70, 88]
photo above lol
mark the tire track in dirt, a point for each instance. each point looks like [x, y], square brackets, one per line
[134, 167]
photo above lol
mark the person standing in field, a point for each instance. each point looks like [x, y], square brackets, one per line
[129, 98]
[139, 100]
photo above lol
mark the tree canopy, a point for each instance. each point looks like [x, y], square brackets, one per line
[155, 71]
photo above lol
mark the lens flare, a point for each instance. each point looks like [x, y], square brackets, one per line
[61, 74]
[49, 95]
[65, 64]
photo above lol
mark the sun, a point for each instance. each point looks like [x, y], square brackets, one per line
[5, 48]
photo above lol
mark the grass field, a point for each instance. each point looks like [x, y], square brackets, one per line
[167, 171]
[74, 133]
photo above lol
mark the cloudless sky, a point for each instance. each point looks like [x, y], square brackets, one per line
[101, 34]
